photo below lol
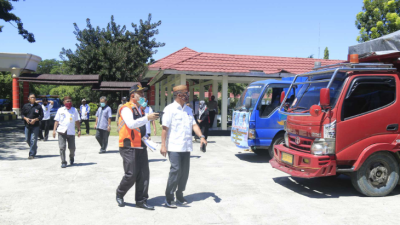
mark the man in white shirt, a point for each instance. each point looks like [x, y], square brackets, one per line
[131, 129]
[66, 119]
[44, 123]
[178, 123]
[85, 114]
[148, 110]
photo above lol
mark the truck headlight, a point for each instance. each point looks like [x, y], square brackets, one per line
[252, 134]
[323, 146]
[286, 136]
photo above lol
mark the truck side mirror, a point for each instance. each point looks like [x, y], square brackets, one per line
[282, 96]
[248, 102]
[324, 97]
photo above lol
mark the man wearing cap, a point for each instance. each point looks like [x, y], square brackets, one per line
[85, 113]
[176, 137]
[132, 127]
[123, 102]
[66, 119]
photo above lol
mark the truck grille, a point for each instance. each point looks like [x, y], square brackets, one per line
[303, 146]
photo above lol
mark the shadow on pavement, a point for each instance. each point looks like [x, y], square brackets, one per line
[112, 151]
[253, 158]
[46, 156]
[159, 201]
[211, 142]
[195, 156]
[323, 187]
[83, 164]
[157, 160]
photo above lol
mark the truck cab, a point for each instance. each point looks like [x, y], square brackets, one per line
[256, 122]
[344, 119]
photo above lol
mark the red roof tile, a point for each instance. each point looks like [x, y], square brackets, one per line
[189, 60]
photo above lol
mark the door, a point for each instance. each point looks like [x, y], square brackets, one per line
[367, 114]
[266, 113]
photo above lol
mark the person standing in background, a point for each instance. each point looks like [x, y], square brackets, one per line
[195, 107]
[203, 119]
[66, 119]
[32, 113]
[213, 109]
[44, 124]
[85, 113]
[123, 102]
[148, 110]
[103, 124]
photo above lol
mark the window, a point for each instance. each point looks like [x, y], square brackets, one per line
[270, 101]
[367, 94]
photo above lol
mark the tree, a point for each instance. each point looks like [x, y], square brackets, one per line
[45, 66]
[7, 16]
[114, 52]
[6, 85]
[326, 53]
[377, 18]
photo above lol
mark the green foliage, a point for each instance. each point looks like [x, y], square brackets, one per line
[6, 15]
[45, 66]
[326, 53]
[114, 52]
[93, 108]
[6, 85]
[377, 18]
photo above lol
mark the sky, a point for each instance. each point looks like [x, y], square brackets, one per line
[288, 28]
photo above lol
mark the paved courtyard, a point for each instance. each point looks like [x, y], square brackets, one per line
[226, 186]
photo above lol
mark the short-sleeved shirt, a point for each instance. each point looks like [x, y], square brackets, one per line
[103, 115]
[46, 111]
[66, 120]
[180, 123]
[32, 111]
[147, 111]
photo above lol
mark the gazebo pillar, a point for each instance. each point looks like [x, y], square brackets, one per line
[15, 72]
[169, 90]
[162, 96]
[224, 103]
[215, 93]
[183, 79]
[191, 91]
[201, 90]
[157, 97]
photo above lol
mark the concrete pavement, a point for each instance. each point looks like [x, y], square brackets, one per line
[226, 186]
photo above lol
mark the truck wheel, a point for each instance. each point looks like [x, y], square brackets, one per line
[277, 141]
[378, 175]
[259, 151]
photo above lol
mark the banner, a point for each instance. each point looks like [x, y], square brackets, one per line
[240, 128]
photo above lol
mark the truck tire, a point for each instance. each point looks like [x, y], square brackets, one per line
[377, 176]
[259, 151]
[277, 141]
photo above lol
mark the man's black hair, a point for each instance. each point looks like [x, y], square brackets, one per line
[44, 99]
[31, 94]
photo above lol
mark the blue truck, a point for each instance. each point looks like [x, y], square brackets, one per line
[256, 123]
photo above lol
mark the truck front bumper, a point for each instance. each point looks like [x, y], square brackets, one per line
[303, 165]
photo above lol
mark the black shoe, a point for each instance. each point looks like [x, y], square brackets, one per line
[170, 204]
[181, 200]
[120, 201]
[71, 159]
[102, 151]
[144, 205]
[64, 165]
[31, 157]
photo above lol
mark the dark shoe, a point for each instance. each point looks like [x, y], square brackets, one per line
[102, 151]
[31, 157]
[120, 201]
[170, 204]
[181, 200]
[64, 165]
[71, 159]
[144, 205]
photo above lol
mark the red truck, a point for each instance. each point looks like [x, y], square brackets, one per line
[345, 119]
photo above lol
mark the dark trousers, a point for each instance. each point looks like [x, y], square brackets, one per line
[62, 143]
[102, 138]
[178, 174]
[31, 136]
[44, 126]
[212, 117]
[136, 167]
[204, 127]
[87, 125]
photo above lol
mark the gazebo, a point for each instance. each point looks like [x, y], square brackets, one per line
[201, 71]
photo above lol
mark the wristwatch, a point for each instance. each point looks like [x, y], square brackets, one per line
[202, 136]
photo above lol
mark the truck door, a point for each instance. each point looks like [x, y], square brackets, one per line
[368, 110]
[266, 114]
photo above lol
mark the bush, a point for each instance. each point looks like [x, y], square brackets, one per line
[93, 108]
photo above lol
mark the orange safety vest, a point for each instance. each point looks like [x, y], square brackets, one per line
[130, 137]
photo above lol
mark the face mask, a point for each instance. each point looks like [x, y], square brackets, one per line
[142, 102]
[185, 97]
[68, 105]
[102, 104]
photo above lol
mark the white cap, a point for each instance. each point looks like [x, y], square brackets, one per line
[83, 100]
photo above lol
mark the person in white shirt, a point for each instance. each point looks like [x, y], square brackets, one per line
[178, 123]
[148, 110]
[44, 123]
[85, 113]
[66, 119]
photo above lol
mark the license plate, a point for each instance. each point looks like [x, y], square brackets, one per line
[287, 158]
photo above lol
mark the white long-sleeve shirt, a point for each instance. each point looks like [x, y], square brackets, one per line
[127, 116]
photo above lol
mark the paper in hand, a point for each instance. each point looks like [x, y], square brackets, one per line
[151, 144]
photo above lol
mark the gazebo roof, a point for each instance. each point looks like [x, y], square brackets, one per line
[60, 79]
[114, 86]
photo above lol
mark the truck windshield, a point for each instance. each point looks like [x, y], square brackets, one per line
[253, 91]
[308, 94]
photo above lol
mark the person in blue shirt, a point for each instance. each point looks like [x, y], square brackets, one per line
[85, 113]
[103, 124]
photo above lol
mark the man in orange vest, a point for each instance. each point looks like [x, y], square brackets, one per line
[132, 127]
